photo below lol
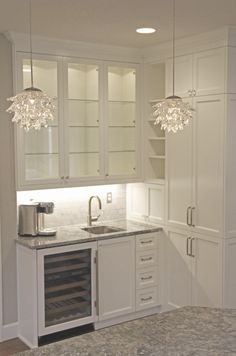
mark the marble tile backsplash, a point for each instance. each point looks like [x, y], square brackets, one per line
[71, 204]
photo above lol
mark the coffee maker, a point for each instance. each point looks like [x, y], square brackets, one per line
[31, 219]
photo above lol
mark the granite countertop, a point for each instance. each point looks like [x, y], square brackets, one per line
[72, 234]
[186, 331]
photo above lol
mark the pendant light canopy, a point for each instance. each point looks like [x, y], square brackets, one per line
[32, 108]
[172, 113]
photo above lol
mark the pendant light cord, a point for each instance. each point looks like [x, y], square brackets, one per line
[173, 49]
[30, 35]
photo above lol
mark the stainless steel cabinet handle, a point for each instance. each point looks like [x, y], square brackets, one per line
[146, 278]
[187, 216]
[146, 242]
[97, 282]
[187, 246]
[194, 92]
[191, 247]
[146, 299]
[146, 259]
[190, 92]
[192, 224]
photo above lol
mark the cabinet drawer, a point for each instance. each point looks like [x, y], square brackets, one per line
[146, 241]
[146, 277]
[146, 298]
[146, 258]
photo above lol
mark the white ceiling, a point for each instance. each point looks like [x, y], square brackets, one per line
[114, 21]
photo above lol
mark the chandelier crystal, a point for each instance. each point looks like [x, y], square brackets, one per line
[172, 113]
[32, 108]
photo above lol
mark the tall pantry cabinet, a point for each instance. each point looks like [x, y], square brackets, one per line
[200, 197]
[197, 174]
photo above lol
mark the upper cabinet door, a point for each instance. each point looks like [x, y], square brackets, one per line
[202, 73]
[38, 153]
[209, 72]
[183, 76]
[179, 176]
[121, 120]
[82, 119]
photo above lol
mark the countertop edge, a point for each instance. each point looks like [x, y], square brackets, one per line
[29, 241]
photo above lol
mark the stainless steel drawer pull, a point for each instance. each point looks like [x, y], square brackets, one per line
[146, 299]
[146, 259]
[146, 242]
[146, 278]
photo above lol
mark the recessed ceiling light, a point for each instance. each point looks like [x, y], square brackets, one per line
[145, 30]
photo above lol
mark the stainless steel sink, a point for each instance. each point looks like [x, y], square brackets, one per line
[98, 230]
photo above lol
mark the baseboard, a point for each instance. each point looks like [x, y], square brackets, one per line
[128, 317]
[25, 341]
[9, 331]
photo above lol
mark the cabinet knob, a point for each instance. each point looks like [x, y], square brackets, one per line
[107, 175]
[190, 92]
[62, 177]
[67, 177]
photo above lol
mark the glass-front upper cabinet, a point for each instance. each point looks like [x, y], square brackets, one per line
[40, 149]
[82, 118]
[122, 120]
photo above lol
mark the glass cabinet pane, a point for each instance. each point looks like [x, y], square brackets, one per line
[41, 148]
[83, 119]
[122, 120]
[67, 282]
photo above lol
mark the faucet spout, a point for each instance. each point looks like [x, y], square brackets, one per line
[90, 217]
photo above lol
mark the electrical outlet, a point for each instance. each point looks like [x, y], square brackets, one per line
[109, 198]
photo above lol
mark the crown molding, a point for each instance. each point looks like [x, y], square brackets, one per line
[68, 48]
[225, 36]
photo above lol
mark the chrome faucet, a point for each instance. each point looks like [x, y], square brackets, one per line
[90, 217]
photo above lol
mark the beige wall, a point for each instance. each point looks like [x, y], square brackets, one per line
[7, 187]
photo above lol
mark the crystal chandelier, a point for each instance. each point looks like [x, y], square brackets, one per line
[172, 113]
[32, 108]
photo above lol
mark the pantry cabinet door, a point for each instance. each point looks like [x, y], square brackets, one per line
[208, 165]
[207, 275]
[183, 76]
[179, 270]
[179, 176]
[116, 277]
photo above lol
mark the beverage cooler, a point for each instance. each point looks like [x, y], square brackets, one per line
[66, 287]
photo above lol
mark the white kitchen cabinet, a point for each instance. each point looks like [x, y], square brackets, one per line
[194, 270]
[122, 119]
[195, 169]
[154, 90]
[201, 73]
[145, 202]
[39, 153]
[116, 277]
[94, 137]
[148, 266]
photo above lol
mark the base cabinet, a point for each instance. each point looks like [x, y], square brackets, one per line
[116, 276]
[194, 270]
[96, 282]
